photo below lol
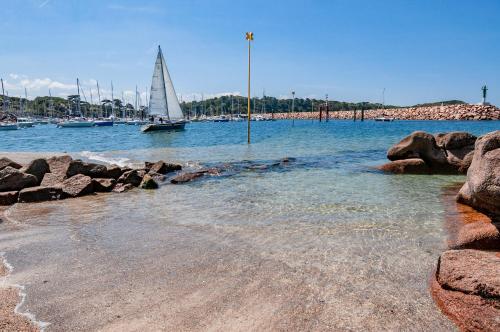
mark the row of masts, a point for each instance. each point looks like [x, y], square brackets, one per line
[116, 110]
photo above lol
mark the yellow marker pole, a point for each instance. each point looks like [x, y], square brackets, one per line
[249, 37]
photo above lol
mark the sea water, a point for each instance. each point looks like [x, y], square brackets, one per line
[326, 243]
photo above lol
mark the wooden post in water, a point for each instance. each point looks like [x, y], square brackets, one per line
[362, 113]
[249, 37]
[354, 115]
[327, 109]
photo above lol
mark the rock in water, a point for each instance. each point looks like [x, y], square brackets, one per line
[11, 179]
[122, 187]
[455, 140]
[51, 180]
[78, 185]
[59, 165]
[113, 172]
[418, 145]
[4, 162]
[38, 168]
[148, 182]
[93, 170]
[482, 187]
[406, 166]
[131, 177]
[186, 177]
[471, 272]
[8, 198]
[40, 194]
[162, 167]
[103, 185]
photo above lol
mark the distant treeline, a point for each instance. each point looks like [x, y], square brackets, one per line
[238, 105]
[58, 107]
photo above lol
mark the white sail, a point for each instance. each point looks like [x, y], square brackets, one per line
[163, 100]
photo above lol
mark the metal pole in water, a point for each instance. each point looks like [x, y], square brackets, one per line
[249, 37]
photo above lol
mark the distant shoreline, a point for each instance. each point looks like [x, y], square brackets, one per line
[447, 112]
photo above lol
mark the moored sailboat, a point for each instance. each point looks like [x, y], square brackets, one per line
[164, 108]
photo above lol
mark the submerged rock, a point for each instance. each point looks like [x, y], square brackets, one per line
[482, 187]
[11, 179]
[187, 177]
[406, 166]
[122, 187]
[162, 167]
[157, 177]
[38, 168]
[40, 194]
[8, 197]
[78, 185]
[4, 162]
[148, 182]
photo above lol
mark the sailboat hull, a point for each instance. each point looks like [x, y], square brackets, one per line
[163, 126]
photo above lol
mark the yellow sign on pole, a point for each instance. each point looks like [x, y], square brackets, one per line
[249, 37]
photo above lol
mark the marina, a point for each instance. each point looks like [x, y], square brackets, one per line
[259, 166]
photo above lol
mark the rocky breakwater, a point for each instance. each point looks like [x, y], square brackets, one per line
[446, 112]
[63, 177]
[466, 284]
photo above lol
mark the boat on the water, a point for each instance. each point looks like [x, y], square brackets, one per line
[164, 108]
[75, 124]
[384, 119]
[25, 123]
[103, 123]
[177, 125]
[221, 118]
[136, 122]
[8, 126]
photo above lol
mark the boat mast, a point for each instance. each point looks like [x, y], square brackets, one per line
[3, 97]
[163, 81]
[135, 110]
[99, 96]
[78, 105]
[112, 101]
[51, 105]
[25, 107]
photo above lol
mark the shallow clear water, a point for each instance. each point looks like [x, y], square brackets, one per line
[326, 243]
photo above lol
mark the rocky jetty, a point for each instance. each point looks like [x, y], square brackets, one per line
[424, 153]
[63, 177]
[446, 112]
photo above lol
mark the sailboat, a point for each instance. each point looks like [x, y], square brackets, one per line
[164, 108]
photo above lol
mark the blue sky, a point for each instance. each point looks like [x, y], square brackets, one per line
[419, 51]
